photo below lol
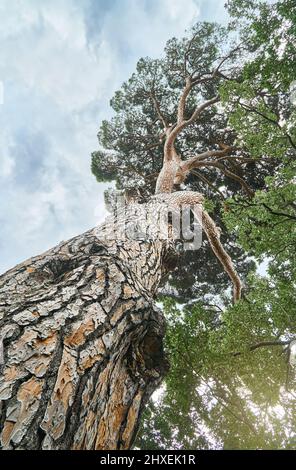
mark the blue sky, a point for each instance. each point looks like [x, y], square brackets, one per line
[60, 63]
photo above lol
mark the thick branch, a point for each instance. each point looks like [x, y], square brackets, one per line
[263, 344]
[191, 198]
[212, 233]
[272, 121]
[169, 144]
[206, 181]
[199, 109]
[190, 164]
[182, 102]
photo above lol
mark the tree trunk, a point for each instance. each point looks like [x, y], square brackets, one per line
[81, 344]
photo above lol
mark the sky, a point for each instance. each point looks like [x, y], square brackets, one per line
[60, 63]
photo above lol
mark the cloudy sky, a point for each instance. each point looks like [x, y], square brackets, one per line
[60, 62]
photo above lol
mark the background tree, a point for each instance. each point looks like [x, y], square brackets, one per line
[229, 385]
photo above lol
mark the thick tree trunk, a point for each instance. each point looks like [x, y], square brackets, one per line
[81, 345]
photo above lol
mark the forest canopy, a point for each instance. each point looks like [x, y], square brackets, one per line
[231, 382]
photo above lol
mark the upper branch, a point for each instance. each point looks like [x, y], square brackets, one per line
[212, 233]
[200, 161]
[199, 109]
[191, 163]
[231, 175]
[168, 148]
[263, 344]
[182, 101]
[224, 59]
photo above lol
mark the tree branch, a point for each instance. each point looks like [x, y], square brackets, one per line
[199, 109]
[233, 176]
[182, 101]
[195, 163]
[205, 180]
[281, 214]
[212, 233]
[272, 121]
[158, 111]
[263, 344]
[168, 148]
[189, 164]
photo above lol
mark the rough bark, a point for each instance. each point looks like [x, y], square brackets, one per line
[82, 344]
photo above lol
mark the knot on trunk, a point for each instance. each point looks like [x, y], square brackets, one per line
[153, 353]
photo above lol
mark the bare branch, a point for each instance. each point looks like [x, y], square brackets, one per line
[228, 173]
[158, 111]
[168, 148]
[189, 164]
[263, 344]
[224, 59]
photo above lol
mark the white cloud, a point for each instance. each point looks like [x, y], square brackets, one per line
[138, 28]
[6, 161]
[50, 53]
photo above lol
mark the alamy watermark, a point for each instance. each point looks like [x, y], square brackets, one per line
[156, 219]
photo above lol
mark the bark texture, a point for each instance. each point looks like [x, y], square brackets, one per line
[81, 344]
